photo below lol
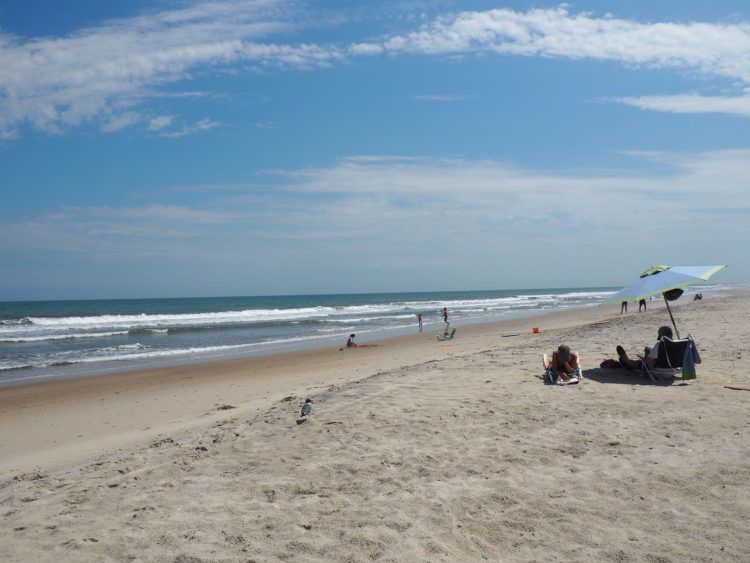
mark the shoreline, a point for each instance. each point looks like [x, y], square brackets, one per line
[370, 337]
[66, 356]
[416, 449]
[212, 351]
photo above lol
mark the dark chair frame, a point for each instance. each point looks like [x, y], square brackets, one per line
[671, 355]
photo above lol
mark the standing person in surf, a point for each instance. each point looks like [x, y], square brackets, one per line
[445, 315]
[419, 320]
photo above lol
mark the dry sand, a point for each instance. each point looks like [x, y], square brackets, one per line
[416, 450]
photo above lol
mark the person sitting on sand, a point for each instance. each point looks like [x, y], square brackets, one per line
[650, 354]
[564, 365]
[350, 341]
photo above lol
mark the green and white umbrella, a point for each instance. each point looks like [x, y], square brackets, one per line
[658, 280]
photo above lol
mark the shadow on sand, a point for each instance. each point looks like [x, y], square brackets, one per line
[623, 376]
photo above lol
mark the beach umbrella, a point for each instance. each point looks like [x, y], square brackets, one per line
[654, 270]
[661, 280]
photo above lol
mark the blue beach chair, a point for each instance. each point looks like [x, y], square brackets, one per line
[675, 357]
[443, 337]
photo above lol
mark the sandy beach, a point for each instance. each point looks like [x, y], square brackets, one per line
[416, 450]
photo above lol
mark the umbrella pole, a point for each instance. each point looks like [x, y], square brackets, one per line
[674, 324]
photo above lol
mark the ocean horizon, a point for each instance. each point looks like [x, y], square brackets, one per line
[42, 340]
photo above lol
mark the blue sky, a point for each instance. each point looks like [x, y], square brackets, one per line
[241, 147]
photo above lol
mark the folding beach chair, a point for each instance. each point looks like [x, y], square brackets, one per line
[447, 337]
[671, 358]
[549, 376]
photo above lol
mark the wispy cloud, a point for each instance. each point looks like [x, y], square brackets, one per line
[55, 83]
[121, 121]
[692, 103]
[718, 49]
[398, 200]
[202, 125]
[365, 49]
[131, 231]
[160, 122]
[441, 98]
[711, 49]
[425, 213]
[156, 212]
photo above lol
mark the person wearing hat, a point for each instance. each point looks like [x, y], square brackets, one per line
[565, 366]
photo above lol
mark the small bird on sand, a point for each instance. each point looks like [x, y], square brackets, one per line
[306, 408]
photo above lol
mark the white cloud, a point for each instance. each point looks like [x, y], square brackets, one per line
[719, 49]
[179, 95]
[55, 83]
[115, 123]
[202, 125]
[415, 195]
[448, 219]
[712, 49]
[440, 98]
[303, 56]
[157, 212]
[692, 103]
[160, 122]
[365, 49]
[145, 230]
[409, 204]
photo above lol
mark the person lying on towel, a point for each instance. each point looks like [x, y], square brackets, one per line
[564, 365]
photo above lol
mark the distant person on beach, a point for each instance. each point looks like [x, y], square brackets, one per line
[623, 307]
[641, 303]
[445, 315]
[350, 341]
[565, 366]
[419, 320]
[650, 353]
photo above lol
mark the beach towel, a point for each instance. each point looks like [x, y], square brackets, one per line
[689, 360]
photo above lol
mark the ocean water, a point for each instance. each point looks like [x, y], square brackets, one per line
[40, 340]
